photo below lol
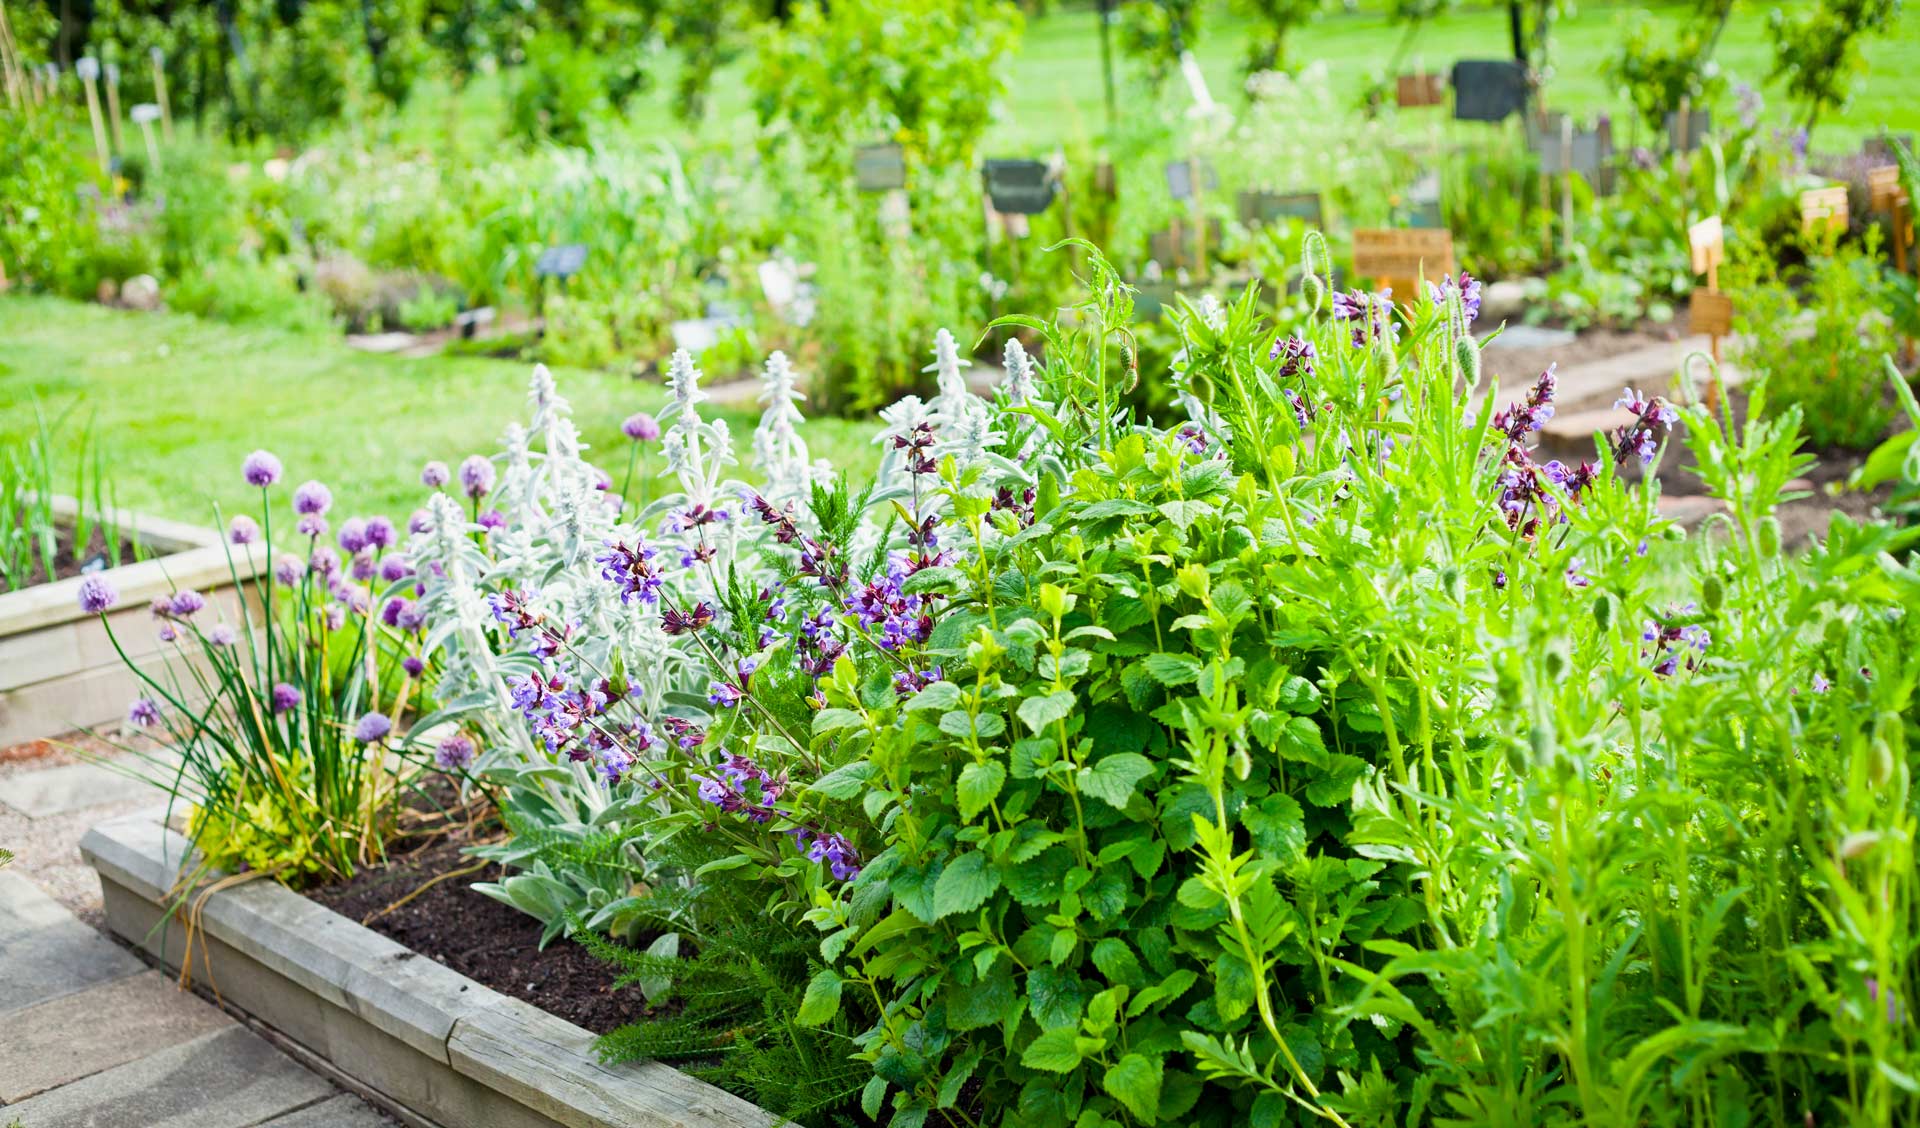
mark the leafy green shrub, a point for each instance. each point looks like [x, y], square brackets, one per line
[245, 291]
[1824, 363]
[47, 228]
[558, 92]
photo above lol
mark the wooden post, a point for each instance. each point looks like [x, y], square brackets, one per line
[1566, 188]
[143, 116]
[1709, 311]
[160, 92]
[1199, 218]
[113, 107]
[89, 70]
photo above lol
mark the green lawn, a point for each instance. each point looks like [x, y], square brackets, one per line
[177, 402]
[1054, 89]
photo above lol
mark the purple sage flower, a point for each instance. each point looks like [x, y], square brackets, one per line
[372, 728]
[312, 498]
[96, 594]
[434, 475]
[285, 697]
[261, 469]
[143, 712]
[1466, 286]
[243, 530]
[477, 476]
[640, 427]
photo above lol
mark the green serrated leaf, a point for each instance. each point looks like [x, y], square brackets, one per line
[979, 784]
[1054, 1051]
[1113, 779]
[1134, 1081]
[965, 884]
[1039, 712]
[822, 1000]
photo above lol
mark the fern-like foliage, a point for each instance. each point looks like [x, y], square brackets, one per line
[5, 857]
[730, 1006]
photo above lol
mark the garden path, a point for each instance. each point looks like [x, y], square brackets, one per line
[90, 1035]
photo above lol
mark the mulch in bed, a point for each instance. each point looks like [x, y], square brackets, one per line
[474, 934]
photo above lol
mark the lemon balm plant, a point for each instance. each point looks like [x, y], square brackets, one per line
[277, 712]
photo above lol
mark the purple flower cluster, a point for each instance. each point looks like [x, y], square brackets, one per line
[96, 594]
[453, 753]
[674, 621]
[1296, 356]
[1372, 315]
[631, 567]
[727, 694]
[743, 787]
[285, 697]
[143, 712]
[372, 728]
[833, 849]
[894, 617]
[477, 476]
[261, 469]
[243, 530]
[435, 474]
[640, 427]
[1466, 286]
[572, 717]
[1670, 646]
[817, 559]
[1653, 419]
[1530, 415]
[906, 683]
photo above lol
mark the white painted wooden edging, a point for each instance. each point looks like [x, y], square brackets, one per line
[452, 1052]
[58, 671]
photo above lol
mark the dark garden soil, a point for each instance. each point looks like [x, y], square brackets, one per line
[474, 934]
[67, 562]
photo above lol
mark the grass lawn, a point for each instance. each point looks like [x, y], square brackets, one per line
[1055, 90]
[177, 402]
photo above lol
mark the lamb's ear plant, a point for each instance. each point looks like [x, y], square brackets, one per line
[276, 704]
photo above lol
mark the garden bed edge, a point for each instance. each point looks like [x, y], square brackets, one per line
[426, 1037]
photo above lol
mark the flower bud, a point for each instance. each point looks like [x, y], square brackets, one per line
[1713, 593]
[1468, 355]
[1769, 536]
[1603, 612]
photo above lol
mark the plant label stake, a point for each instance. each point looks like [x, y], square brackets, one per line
[879, 168]
[1884, 193]
[562, 262]
[1686, 126]
[1488, 89]
[89, 71]
[159, 58]
[1185, 181]
[1399, 257]
[1709, 311]
[1823, 210]
[1420, 89]
[144, 114]
[113, 107]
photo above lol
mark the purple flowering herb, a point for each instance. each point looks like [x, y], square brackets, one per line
[393, 569]
[336, 617]
[222, 635]
[312, 525]
[1653, 418]
[143, 712]
[1296, 356]
[477, 476]
[324, 561]
[1672, 646]
[372, 728]
[261, 469]
[677, 622]
[288, 569]
[364, 568]
[420, 522]
[1466, 286]
[185, 604]
[435, 474]
[1372, 315]
[640, 427]
[166, 633]
[381, 534]
[1820, 683]
[493, 520]
[97, 594]
[454, 753]
[413, 666]
[1531, 414]
[285, 697]
[243, 530]
[312, 499]
[906, 683]
[632, 569]
[353, 535]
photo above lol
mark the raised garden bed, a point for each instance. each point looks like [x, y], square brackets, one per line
[59, 671]
[445, 1048]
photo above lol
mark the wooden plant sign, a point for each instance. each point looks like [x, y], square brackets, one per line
[1686, 128]
[1823, 210]
[879, 168]
[1885, 193]
[1412, 90]
[1400, 256]
[1710, 312]
[1707, 241]
[561, 262]
[1184, 177]
[1261, 207]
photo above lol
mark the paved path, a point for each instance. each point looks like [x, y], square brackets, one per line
[90, 1035]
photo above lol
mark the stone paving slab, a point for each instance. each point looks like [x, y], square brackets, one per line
[72, 787]
[227, 1079]
[343, 1111]
[78, 1035]
[55, 956]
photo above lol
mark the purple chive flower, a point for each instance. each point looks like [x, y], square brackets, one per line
[372, 728]
[243, 530]
[96, 595]
[1466, 286]
[454, 752]
[285, 697]
[381, 534]
[324, 562]
[143, 712]
[312, 525]
[186, 603]
[288, 569]
[261, 469]
[477, 476]
[434, 475]
[353, 535]
[336, 617]
[393, 569]
[420, 522]
[413, 666]
[222, 635]
[640, 427]
[493, 519]
[312, 498]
